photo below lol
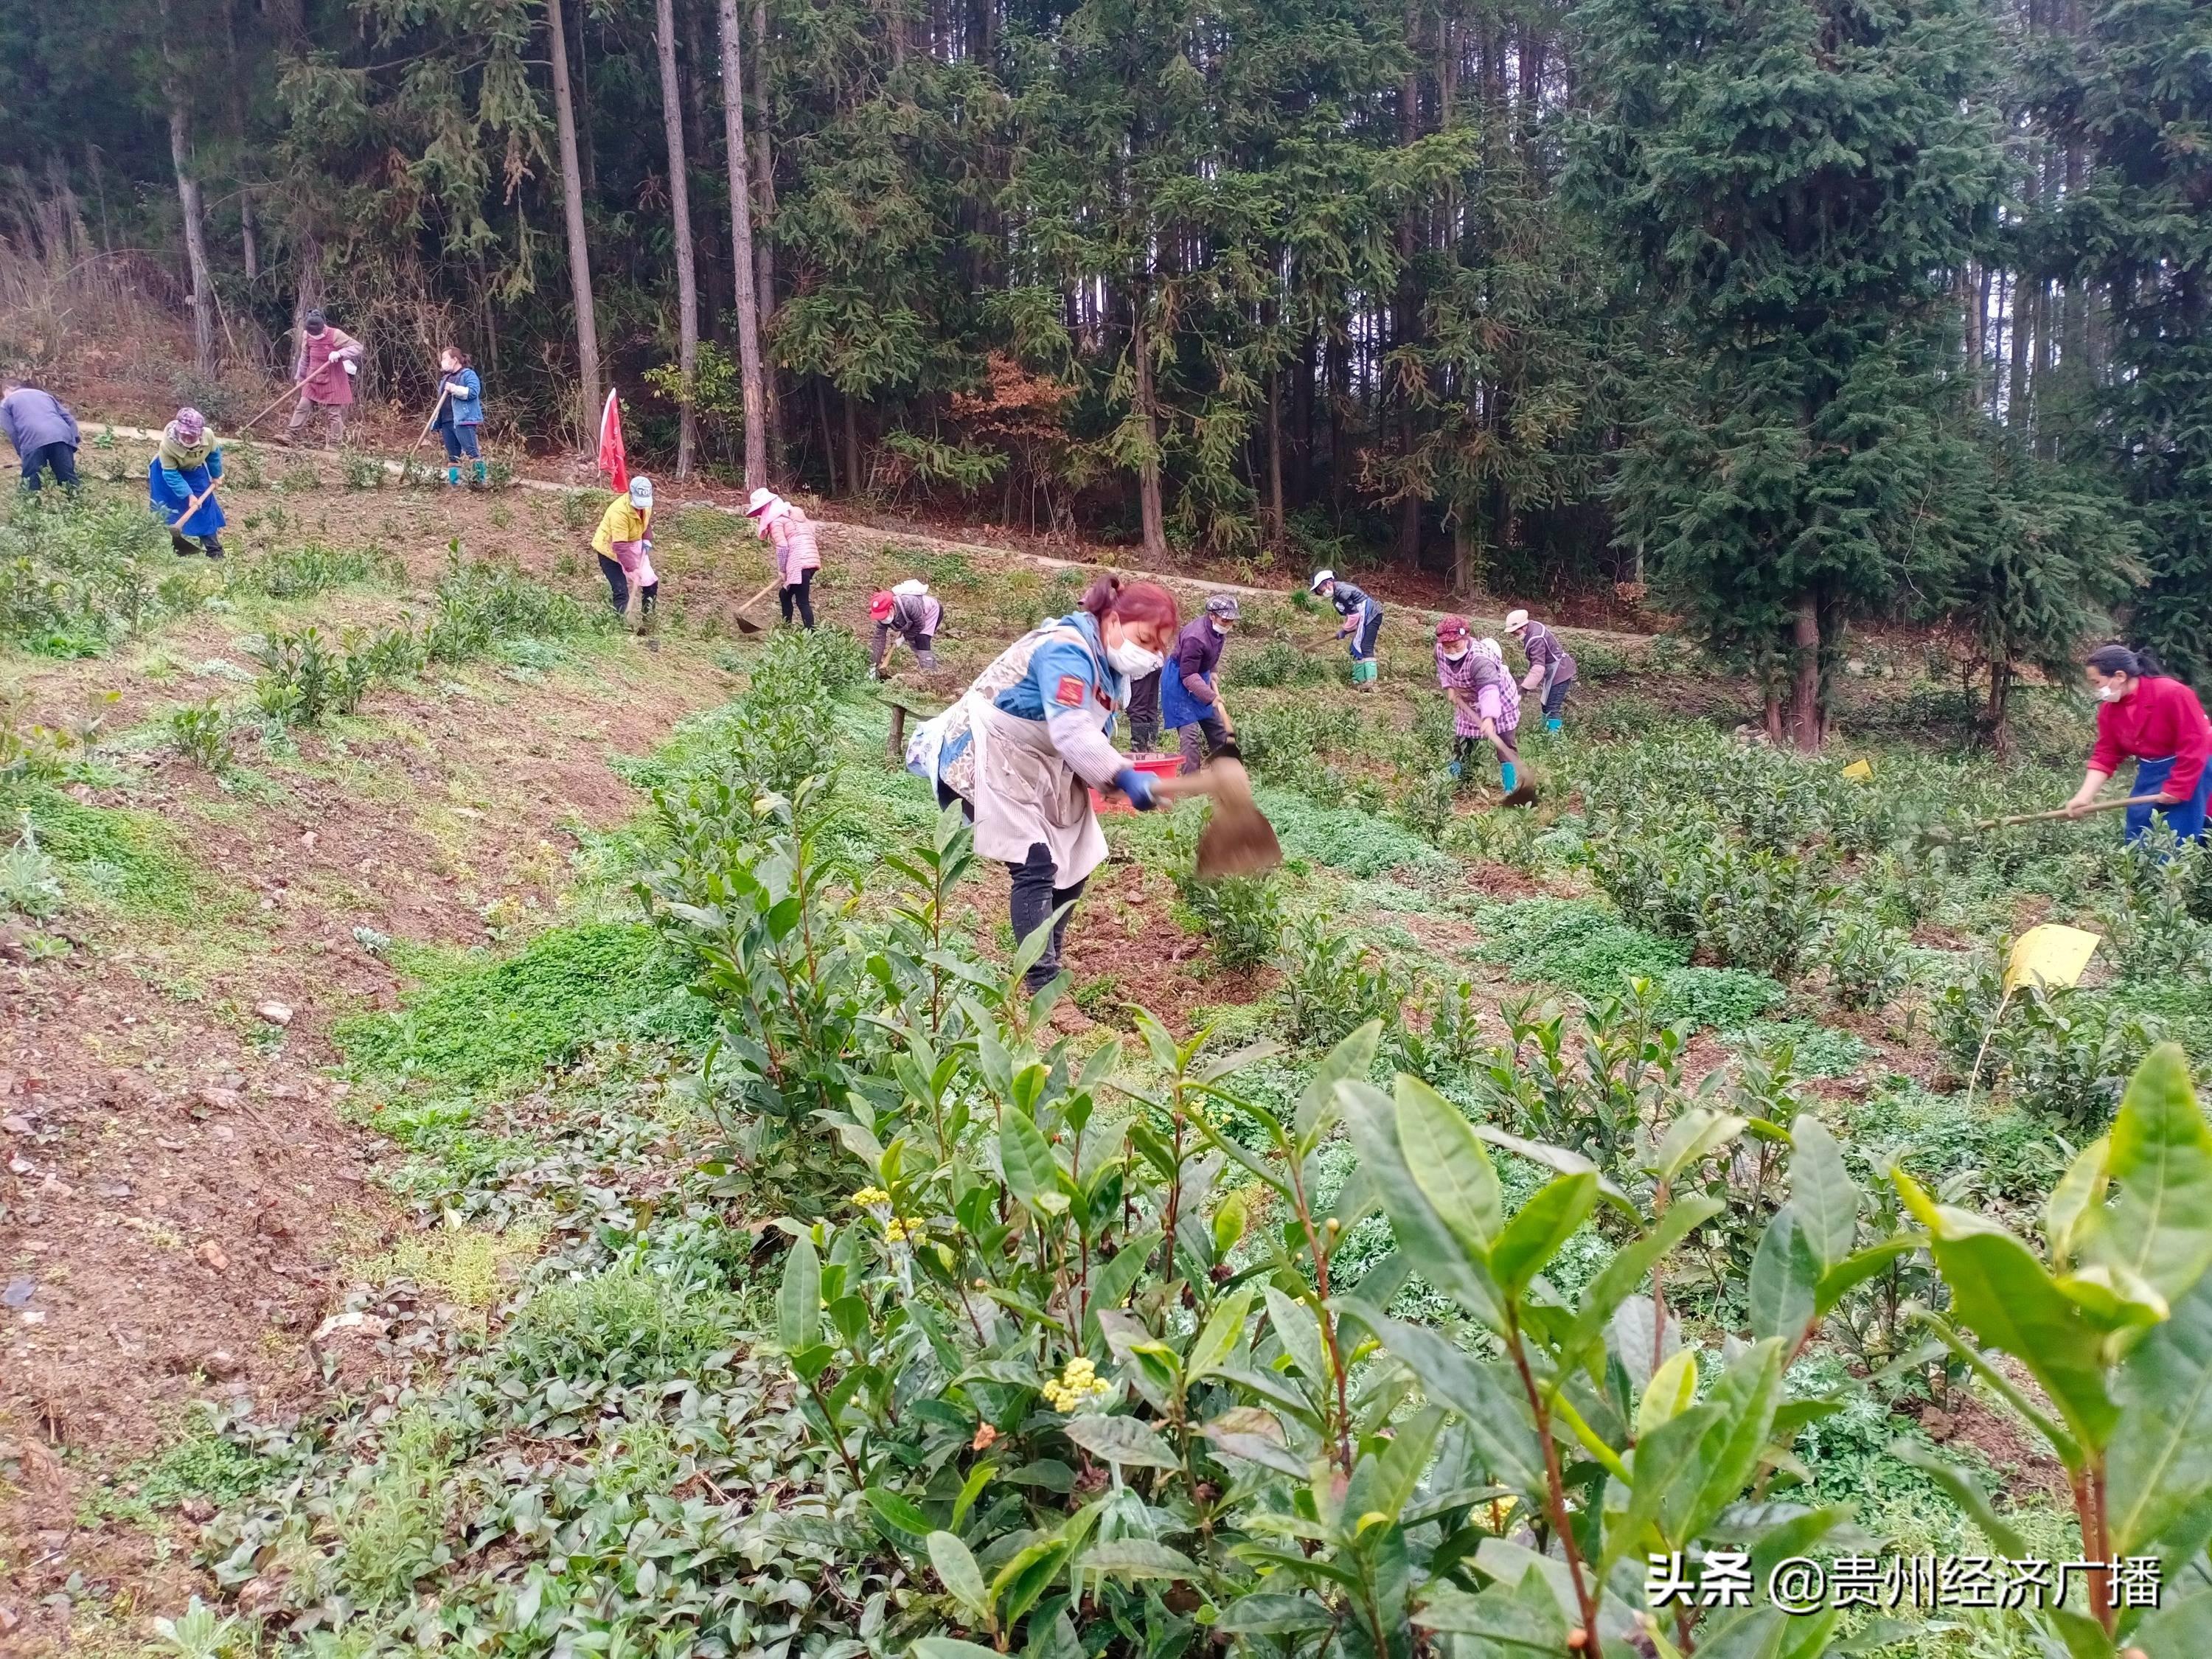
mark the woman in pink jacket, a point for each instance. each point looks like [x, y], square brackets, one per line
[798, 552]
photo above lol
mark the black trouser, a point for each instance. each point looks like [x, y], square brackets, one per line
[1195, 753]
[1145, 713]
[58, 458]
[182, 545]
[1033, 899]
[619, 585]
[799, 594]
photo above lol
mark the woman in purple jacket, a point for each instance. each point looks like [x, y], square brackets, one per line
[1190, 699]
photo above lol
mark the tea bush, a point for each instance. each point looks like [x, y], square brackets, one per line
[301, 571]
[79, 572]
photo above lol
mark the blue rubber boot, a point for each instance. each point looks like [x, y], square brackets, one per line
[480, 474]
[1455, 769]
[452, 476]
[1552, 728]
[1511, 775]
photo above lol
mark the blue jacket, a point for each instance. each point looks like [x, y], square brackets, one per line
[171, 491]
[1069, 689]
[34, 418]
[460, 410]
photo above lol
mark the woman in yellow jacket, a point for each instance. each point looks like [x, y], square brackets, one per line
[624, 544]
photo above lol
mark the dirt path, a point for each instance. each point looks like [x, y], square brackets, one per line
[695, 494]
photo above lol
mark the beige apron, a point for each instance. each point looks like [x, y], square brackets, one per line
[1026, 793]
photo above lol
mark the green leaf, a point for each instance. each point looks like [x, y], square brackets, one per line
[2159, 1466]
[1785, 1276]
[899, 1518]
[952, 1647]
[1219, 1340]
[1137, 1558]
[1560, 1159]
[1553, 1215]
[1382, 1483]
[1032, 1172]
[798, 1297]
[1110, 1284]
[1026, 1575]
[957, 1571]
[1371, 1117]
[1822, 1192]
[1966, 1490]
[1857, 1268]
[2159, 1228]
[2080, 1194]
[1354, 1057]
[1505, 1621]
[1693, 1135]
[1267, 1613]
[1631, 1264]
[1673, 1387]
[1122, 1440]
[1299, 1333]
[970, 1490]
[1448, 1164]
[1495, 1411]
[2000, 1289]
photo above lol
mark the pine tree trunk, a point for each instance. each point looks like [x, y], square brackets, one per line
[741, 249]
[1148, 470]
[248, 244]
[1276, 528]
[188, 200]
[679, 205]
[579, 253]
[763, 183]
[1805, 685]
[852, 440]
[699, 152]
[1996, 715]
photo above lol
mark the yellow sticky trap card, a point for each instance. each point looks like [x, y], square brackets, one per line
[1860, 770]
[2051, 956]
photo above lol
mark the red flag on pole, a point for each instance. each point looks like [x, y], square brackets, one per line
[613, 461]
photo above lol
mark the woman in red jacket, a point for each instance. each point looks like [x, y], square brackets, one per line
[2160, 723]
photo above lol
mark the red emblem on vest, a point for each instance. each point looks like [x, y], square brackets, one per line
[1071, 692]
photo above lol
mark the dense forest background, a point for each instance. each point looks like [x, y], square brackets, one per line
[1799, 312]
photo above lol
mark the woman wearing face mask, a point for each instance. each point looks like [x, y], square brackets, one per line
[1032, 738]
[1485, 703]
[1190, 700]
[2159, 721]
[1363, 621]
[624, 544]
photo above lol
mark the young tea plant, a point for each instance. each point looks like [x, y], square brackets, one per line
[202, 732]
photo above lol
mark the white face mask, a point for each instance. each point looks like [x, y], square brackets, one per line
[1459, 655]
[1221, 628]
[1133, 659]
[2110, 692]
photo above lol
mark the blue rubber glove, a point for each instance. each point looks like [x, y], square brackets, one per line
[1137, 786]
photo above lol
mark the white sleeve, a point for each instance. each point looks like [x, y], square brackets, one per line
[1075, 733]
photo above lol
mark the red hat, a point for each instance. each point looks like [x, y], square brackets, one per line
[879, 606]
[1452, 628]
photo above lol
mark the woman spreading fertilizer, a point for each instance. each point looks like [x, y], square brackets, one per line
[624, 544]
[2159, 722]
[460, 414]
[1485, 703]
[1363, 621]
[1190, 697]
[180, 484]
[1031, 739]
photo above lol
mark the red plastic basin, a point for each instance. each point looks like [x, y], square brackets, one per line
[1158, 766]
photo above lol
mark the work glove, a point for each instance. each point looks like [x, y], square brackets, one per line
[1137, 786]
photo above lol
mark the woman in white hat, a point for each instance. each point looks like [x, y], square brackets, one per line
[1363, 621]
[1550, 665]
[798, 552]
